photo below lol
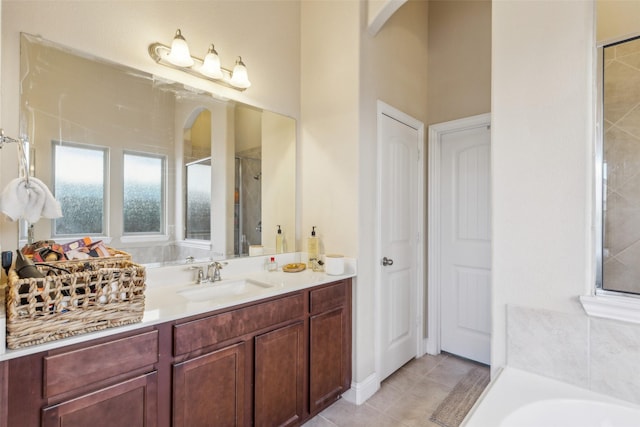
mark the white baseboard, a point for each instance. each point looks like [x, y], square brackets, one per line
[361, 391]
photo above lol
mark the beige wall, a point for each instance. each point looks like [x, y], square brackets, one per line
[617, 18]
[329, 125]
[459, 59]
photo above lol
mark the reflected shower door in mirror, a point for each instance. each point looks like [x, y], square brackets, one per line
[248, 197]
[197, 158]
[619, 168]
[168, 185]
[198, 200]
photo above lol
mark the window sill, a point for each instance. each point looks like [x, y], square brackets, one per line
[198, 244]
[144, 238]
[626, 309]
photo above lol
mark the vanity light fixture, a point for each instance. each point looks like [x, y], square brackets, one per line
[179, 54]
[239, 77]
[178, 57]
[211, 66]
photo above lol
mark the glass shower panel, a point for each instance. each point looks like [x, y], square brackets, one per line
[621, 167]
[198, 200]
[248, 206]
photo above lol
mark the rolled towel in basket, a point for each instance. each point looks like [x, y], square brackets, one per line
[28, 200]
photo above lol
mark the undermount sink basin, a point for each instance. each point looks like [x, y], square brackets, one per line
[223, 289]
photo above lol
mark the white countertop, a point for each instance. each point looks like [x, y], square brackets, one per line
[163, 302]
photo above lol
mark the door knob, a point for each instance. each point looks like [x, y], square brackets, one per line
[387, 261]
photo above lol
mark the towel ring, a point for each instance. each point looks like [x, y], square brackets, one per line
[22, 154]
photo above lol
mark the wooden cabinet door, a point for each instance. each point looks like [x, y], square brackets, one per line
[209, 390]
[4, 393]
[131, 403]
[328, 363]
[279, 372]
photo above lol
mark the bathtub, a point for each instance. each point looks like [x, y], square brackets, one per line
[517, 398]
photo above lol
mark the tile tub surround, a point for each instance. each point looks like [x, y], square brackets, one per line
[614, 356]
[548, 343]
[593, 353]
[163, 304]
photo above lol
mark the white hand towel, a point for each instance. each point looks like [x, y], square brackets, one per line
[30, 202]
[51, 208]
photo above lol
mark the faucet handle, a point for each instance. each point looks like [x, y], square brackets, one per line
[200, 273]
[217, 266]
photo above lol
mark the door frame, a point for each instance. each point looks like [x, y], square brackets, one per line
[436, 133]
[395, 114]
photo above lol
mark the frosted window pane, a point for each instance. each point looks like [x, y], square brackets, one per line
[198, 201]
[143, 194]
[79, 187]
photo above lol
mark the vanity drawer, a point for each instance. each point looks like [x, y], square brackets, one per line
[327, 298]
[211, 330]
[67, 371]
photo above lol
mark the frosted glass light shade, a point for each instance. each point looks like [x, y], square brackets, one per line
[180, 54]
[211, 65]
[240, 77]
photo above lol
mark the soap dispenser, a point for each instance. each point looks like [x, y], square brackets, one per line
[279, 241]
[312, 248]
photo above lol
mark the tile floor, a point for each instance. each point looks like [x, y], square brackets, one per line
[406, 399]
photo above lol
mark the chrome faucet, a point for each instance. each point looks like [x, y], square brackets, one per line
[200, 278]
[217, 266]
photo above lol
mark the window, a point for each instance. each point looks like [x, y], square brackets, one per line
[143, 193]
[79, 185]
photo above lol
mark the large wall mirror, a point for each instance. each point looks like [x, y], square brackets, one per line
[156, 169]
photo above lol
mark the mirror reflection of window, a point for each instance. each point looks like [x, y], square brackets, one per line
[621, 167]
[143, 193]
[79, 177]
[197, 157]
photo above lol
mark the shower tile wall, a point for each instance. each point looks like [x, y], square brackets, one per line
[621, 270]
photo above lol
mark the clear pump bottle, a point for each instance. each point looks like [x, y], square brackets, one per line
[279, 241]
[312, 248]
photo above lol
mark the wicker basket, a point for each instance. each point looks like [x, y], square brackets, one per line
[90, 295]
[112, 261]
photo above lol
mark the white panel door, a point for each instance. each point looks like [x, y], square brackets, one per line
[466, 244]
[399, 152]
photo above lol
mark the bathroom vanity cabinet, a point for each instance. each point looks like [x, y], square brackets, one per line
[276, 361]
[4, 370]
[330, 344]
[99, 383]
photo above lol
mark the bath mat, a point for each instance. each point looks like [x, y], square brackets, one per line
[459, 401]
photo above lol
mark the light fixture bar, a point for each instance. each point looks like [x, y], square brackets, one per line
[159, 53]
